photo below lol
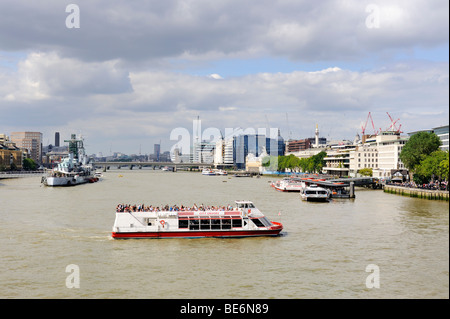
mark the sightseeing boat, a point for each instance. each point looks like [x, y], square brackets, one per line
[244, 220]
[288, 185]
[314, 193]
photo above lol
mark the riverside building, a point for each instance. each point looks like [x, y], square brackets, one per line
[30, 141]
[442, 133]
[10, 156]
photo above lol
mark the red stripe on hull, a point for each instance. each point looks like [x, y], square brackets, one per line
[180, 234]
[287, 190]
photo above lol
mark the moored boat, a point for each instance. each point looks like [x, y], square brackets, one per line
[288, 185]
[314, 193]
[74, 169]
[221, 172]
[208, 171]
[244, 220]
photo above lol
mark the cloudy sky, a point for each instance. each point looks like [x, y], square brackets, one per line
[131, 72]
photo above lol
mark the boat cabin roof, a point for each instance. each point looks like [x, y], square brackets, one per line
[244, 204]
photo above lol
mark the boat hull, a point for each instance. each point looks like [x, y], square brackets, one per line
[65, 181]
[315, 199]
[288, 189]
[273, 231]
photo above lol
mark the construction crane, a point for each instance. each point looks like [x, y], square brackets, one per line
[375, 132]
[395, 129]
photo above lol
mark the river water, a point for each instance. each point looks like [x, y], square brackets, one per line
[323, 252]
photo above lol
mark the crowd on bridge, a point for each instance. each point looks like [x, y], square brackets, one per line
[143, 208]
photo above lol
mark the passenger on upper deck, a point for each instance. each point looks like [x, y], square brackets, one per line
[142, 208]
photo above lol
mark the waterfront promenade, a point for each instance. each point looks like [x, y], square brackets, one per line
[417, 192]
[17, 174]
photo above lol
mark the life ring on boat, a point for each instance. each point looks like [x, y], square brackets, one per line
[162, 222]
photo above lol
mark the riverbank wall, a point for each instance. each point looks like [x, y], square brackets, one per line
[417, 192]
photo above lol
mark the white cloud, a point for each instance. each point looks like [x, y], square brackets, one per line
[46, 75]
[55, 91]
[157, 30]
[216, 76]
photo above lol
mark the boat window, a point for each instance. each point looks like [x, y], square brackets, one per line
[183, 223]
[310, 192]
[226, 223]
[148, 221]
[265, 221]
[236, 222]
[322, 192]
[193, 224]
[251, 205]
[204, 223]
[215, 223]
[257, 222]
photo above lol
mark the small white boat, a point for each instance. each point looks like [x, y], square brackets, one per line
[314, 193]
[288, 185]
[221, 172]
[208, 171]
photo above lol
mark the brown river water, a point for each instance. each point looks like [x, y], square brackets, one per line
[323, 252]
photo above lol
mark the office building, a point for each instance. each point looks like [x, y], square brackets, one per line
[157, 151]
[10, 155]
[364, 156]
[30, 141]
[256, 145]
[442, 133]
[203, 152]
[297, 145]
[57, 139]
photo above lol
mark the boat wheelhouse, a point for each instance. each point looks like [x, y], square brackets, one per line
[244, 220]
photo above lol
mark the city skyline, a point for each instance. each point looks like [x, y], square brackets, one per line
[128, 74]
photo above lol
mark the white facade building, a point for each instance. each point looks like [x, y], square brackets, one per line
[364, 156]
[204, 152]
[442, 133]
[389, 146]
[224, 152]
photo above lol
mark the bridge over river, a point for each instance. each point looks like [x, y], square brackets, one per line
[154, 165]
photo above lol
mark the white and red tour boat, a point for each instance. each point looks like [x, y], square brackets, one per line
[288, 185]
[244, 220]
